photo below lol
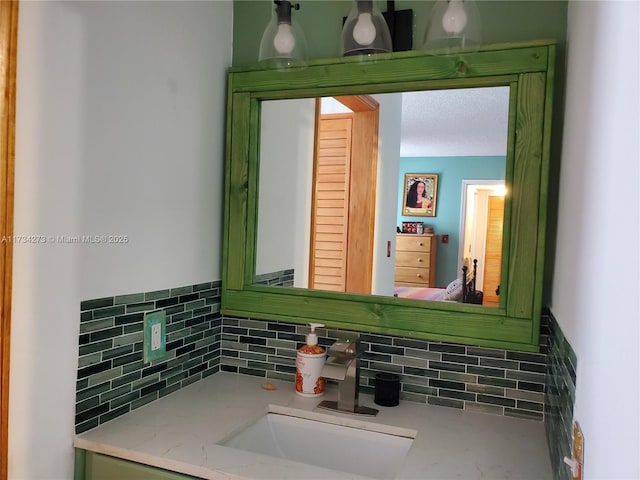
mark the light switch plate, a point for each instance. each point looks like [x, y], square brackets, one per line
[155, 329]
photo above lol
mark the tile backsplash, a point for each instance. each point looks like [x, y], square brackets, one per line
[560, 397]
[112, 377]
[473, 378]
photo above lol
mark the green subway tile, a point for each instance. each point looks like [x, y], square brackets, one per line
[486, 389]
[132, 298]
[202, 286]
[194, 305]
[174, 309]
[129, 378]
[413, 380]
[144, 400]
[408, 388]
[526, 357]
[181, 291]
[180, 316]
[170, 389]
[156, 295]
[140, 307]
[108, 312]
[498, 363]
[107, 333]
[90, 359]
[124, 399]
[412, 352]
[177, 378]
[413, 397]
[86, 316]
[129, 339]
[114, 413]
[117, 352]
[459, 377]
[96, 325]
[455, 394]
[498, 382]
[525, 395]
[525, 376]
[145, 382]
[408, 361]
[505, 402]
[116, 392]
[485, 371]
[95, 347]
[210, 293]
[97, 303]
[104, 376]
[91, 391]
[452, 367]
[253, 356]
[486, 352]
[253, 324]
[87, 404]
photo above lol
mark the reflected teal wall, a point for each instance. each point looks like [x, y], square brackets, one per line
[451, 172]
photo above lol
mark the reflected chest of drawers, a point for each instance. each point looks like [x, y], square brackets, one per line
[416, 260]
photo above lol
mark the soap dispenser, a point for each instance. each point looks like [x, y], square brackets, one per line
[309, 363]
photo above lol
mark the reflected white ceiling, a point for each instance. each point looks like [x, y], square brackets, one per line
[445, 123]
[462, 122]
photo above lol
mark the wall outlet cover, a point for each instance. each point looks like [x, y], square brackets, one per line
[155, 333]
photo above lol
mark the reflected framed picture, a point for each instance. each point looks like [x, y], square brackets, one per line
[420, 194]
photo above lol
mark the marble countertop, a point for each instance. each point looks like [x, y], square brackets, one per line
[182, 431]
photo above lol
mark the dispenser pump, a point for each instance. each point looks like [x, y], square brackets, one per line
[312, 338]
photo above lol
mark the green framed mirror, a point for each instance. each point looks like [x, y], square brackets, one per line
[255, 171]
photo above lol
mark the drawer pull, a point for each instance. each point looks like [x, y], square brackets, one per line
[419, 275]
[419, 260]
[420, 244]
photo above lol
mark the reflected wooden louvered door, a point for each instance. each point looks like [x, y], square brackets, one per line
[331, 203]
[493, 250]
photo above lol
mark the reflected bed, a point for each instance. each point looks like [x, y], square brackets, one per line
[456, 291]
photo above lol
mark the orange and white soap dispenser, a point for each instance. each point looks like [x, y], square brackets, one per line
[309, 363]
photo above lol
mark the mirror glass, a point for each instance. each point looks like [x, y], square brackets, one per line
[332, 187]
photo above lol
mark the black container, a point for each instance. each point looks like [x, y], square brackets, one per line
[386, 389]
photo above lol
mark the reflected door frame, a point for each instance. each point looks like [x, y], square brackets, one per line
[477, 228]
[360, 185]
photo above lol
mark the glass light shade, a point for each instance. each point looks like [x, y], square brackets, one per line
[283, 44]
[454, 25]
[365, 31]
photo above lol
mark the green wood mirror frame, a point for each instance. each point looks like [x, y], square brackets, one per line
[525, 67]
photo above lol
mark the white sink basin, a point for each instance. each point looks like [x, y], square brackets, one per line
[337, 447]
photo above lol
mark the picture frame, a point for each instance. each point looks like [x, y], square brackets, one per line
[420, 201]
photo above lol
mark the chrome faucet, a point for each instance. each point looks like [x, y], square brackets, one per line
[343, 365]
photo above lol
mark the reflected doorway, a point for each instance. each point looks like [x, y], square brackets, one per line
[344, 179]
[481, 233]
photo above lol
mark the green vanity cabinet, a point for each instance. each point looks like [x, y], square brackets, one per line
[95, 466]
[525, 70]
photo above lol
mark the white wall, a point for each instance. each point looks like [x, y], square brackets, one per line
[286, 187]
[386, 192]
[596, 285]
[120, 131]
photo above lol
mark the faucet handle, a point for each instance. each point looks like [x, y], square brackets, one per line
[346, 347]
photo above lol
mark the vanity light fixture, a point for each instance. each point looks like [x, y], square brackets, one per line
[454, 25]
[365, 31]
[283, 44]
